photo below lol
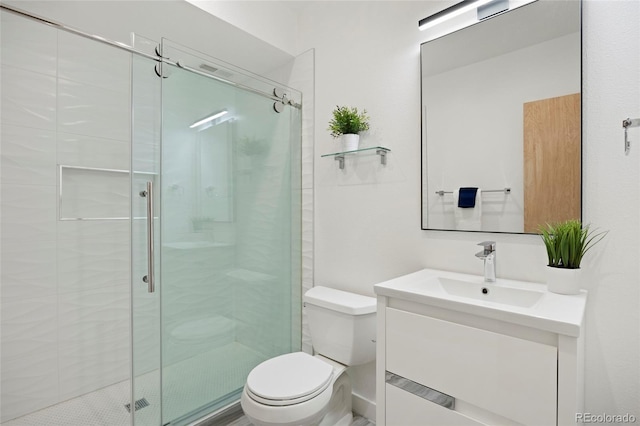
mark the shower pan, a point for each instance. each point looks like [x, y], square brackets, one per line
[172, 235]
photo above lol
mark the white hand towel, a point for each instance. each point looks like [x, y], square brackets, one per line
[468, 219]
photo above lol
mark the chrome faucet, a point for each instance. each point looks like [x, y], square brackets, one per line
[489, 257]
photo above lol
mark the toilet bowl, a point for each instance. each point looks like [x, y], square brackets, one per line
[301, 389]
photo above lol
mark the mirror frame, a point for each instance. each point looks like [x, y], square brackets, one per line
[423, 141]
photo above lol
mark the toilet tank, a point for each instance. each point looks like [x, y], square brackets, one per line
[342, 325]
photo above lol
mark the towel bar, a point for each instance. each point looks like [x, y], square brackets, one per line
[505, 190]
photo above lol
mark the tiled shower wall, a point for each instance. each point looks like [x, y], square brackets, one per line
[65, 283]
[302, 78]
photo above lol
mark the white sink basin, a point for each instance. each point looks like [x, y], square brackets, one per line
[486, 292]
[518, 302]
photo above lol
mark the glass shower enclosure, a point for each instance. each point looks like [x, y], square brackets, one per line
[150, 224]
[218, 212]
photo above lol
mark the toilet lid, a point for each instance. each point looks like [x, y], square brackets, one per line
[291, 377]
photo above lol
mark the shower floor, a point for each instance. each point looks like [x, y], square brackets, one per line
[188, 384]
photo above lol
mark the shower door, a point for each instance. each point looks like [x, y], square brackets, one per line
[227, 235]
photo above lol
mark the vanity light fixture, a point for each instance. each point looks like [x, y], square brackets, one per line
[450, 12]
[464, 14]
[209, 118]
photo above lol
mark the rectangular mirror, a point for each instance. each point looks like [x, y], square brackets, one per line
[501, 112]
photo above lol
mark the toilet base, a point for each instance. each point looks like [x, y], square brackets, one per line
[339, 409]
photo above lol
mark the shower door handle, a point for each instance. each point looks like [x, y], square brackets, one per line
[149, 278]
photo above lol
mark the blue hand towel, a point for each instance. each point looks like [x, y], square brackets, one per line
[467, 197]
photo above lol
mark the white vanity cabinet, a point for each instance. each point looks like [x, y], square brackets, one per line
[449, 361]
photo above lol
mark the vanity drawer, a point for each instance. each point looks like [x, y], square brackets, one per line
[406, 409]
[511, 377]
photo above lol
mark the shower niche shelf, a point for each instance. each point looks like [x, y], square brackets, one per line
[378, 150]
[95, 193]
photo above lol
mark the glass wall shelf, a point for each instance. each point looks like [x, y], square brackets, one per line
[379, 150]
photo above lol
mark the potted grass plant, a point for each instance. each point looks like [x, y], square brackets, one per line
[346, 124]
[566, 243]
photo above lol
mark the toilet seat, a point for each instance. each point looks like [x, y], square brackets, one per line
[288, 379]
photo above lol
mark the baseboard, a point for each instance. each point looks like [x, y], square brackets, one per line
[363, 407]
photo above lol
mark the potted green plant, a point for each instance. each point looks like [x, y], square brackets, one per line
[347, 123]
[567, 242]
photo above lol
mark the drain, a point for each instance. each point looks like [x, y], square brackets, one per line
[141, 403]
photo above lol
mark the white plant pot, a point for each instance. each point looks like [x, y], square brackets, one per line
[350, 142]
[564, 280]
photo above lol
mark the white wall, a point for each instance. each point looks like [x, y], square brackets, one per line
[611, 200]
[368, 219]
[272, 22]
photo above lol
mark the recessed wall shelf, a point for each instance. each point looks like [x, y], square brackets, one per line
[379, 150]
[95, 193]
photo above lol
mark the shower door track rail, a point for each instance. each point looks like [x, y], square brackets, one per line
[238, 85]
[130, 49]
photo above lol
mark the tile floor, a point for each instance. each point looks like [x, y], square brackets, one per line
[357, 421]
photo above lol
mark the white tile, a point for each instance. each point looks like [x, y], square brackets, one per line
[146, 332]
[92, 254]
[94, 339]
[147, 116]
[28, 212]
[29, 355]
[28, 45]
[307, 168]
[27, 324]
[28, 155]
[28, 268]
[28, 98]
[29, 384]
[307, 235]
[104, 230]
[146, 156]
[87, 151]
[92, 63]
[91, 194]
[307, 260]
[308, 157]
[83, 370]
[104, 407]
[93, 111]
[92, 263]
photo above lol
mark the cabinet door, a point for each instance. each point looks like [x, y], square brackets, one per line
[511, 377]
[406, 409]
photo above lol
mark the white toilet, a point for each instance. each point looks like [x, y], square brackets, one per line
[299, 389]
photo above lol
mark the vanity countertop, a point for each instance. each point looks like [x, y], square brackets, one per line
[518, 302]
